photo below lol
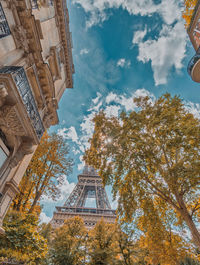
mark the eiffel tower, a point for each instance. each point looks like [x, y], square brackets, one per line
[88, 200]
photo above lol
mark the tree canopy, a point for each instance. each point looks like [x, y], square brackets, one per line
[153, 152]
[67, 246]
[101, 244]
[22, 242]
[45, 173]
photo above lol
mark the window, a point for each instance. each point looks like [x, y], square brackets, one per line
[3, 157]
[4, 151]
[4, 28]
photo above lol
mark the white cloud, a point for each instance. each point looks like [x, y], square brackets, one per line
[84, 51]
[75, 151]
[126, 101]
[65, 189]
[95, 100]
[80, 166]
[169, 10]
[112, 111]
[193, 108]
[87, 124]
[69, 133]
[114, 203]
[96, 107]
[161, 52]
[44, 218]
[111, 97]
[138, 36]
[123, 63]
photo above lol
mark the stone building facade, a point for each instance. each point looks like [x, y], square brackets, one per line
[36, 67]
[194, 35]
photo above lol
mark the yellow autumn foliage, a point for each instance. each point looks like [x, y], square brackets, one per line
[189, 6]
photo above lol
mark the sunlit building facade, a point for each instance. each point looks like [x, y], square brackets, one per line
[194, 34]
[36, 67]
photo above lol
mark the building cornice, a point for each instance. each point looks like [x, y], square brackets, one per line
[62, 17]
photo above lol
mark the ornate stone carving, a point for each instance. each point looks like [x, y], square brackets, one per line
[3, 94]
[26, 147]
[15, 134]
[48, 119]
[20, 38]
[9, 122]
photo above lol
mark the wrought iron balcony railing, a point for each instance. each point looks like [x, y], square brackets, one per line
[19, 76]
[4, 27]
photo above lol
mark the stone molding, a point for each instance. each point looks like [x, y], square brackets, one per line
[62, 18]
[27, 34]
[18, 130]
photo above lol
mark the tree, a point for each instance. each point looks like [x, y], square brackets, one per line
[162, 242]
[67, 246]
[152, 152]
[189, 6]
[44, 174]
[46, 231]
[22, 242]
[127, 245]
[189, 261]
[101, 244]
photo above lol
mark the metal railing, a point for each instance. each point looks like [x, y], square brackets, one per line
[85, 210]
[4, 27]
[19, 76]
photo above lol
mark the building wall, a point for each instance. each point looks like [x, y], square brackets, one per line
[34, 72]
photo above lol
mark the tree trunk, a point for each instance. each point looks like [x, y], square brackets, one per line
[37, 196]
[27, 197]
[194, 231]
[188, 219]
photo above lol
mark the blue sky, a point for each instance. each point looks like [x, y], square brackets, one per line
[121, 49]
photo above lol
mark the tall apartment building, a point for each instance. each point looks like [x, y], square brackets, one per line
[36, 67]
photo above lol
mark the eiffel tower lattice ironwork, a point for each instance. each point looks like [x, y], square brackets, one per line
[89, 189]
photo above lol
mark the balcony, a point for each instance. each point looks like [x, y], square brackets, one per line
[18, 76]
[4, 28]
[194, 67]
